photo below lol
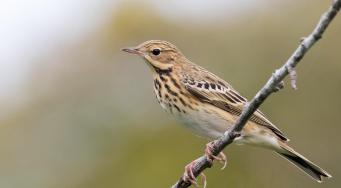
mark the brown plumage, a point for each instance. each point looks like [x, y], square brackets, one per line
[208, 105]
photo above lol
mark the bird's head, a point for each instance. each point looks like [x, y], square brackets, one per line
[160, 55]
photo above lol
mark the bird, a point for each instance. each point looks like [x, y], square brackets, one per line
[208, 105]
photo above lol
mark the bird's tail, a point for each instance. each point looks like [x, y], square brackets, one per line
[301, 162]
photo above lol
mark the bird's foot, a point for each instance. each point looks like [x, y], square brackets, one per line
[189, 175]
[221, 157]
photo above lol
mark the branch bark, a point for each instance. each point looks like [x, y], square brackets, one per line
[270, 87]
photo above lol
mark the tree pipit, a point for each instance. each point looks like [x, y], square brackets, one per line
[209, 106]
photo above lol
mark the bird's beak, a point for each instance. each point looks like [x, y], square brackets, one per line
[132, 51]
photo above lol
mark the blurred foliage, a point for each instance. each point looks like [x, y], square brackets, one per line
[92, 120]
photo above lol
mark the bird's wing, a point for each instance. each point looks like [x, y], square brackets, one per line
[215, 91]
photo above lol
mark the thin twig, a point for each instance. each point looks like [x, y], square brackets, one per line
[270, 87]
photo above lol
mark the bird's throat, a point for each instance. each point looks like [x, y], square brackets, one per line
[160, 68]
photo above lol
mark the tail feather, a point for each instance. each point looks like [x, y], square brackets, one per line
[304, 164]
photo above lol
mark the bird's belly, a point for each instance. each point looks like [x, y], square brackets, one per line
[204, 120]
[213, 126]
[211, 123]
[205, 123]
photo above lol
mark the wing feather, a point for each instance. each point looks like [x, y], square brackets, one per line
[220, 94]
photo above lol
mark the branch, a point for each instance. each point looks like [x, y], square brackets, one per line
[271, 86]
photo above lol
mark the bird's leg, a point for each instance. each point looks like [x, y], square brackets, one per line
[189, 175]
[221, 157]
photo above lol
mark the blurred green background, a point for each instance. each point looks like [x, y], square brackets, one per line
[76, 112]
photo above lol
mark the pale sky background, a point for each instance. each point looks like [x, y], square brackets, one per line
[32, 28]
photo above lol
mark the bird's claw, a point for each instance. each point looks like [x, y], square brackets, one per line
[221, 157]
[189, 175]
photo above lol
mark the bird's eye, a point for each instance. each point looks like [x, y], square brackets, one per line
[156, 51]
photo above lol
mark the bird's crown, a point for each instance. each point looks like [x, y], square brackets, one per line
[161, 55]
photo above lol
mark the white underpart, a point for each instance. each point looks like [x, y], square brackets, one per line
[261, 140]
[212, 126]
[204, 124]
[211, 122]
[208, 125]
